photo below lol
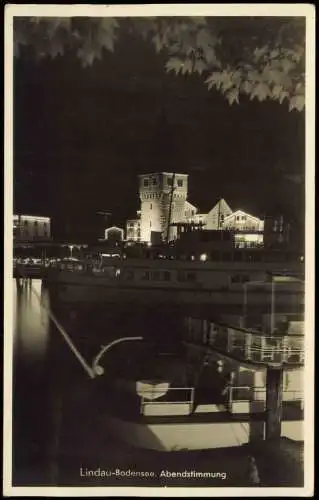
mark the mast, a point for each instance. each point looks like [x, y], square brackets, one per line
[218, 226]
[170, 208]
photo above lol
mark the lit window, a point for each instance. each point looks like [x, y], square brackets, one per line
[180, 183]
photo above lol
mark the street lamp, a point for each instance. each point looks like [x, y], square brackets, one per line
[97, 369]
[71, 250]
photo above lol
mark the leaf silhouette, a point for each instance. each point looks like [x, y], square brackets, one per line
[174, 64]
[199, 66]
[233, 96]
[297, 102]
[247, 87]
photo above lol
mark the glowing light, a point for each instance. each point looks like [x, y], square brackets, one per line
[149, 244]
[32, 218]
[203, 257]
[302, 258]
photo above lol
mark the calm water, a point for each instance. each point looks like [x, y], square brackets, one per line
[57, 424]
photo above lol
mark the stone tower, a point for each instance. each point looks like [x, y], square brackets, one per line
[162, 203]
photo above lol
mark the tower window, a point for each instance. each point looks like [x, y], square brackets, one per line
[145, 182]
[180, 183]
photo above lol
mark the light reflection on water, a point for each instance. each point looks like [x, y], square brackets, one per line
[54, 405]
[31, 321]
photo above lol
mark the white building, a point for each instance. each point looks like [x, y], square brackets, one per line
[133, 228]
[31, 227]
[163, 196]
[249, 230]
[163, 203]
[114, 233]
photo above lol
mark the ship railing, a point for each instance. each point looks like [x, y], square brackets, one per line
[249, 393]
[243, 399]
[252, 345]
[256, 347]
[152, 397]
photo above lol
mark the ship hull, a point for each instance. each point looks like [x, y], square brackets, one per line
[195, 436]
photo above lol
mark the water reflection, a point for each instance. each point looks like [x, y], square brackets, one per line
[56, 419]
[31, 321]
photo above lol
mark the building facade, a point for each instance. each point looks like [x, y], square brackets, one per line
[31, 228]
[248, 230]
[133, 228]
[165, 213]
[114, 234]
[163, 196]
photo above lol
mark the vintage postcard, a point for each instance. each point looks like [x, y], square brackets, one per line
[159, 250]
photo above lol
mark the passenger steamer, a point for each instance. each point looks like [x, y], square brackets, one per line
[174, 281]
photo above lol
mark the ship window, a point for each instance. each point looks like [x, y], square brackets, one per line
[191, 277]
[181, 276]
[227, 256]
[256, 257]
[215, 255]
[238, 256]
[239, 278]
[129, 275]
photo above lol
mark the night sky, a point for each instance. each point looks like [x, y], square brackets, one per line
[82, 135]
